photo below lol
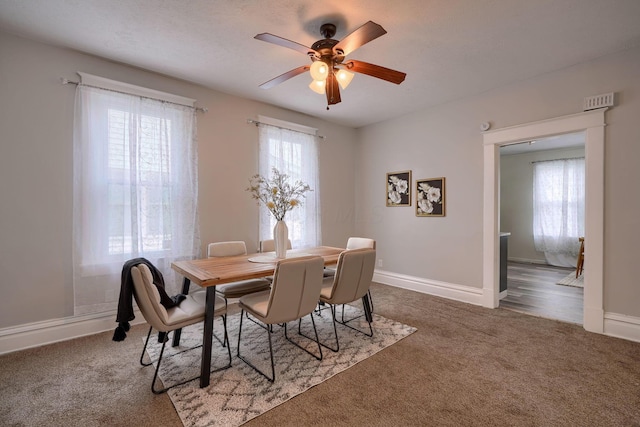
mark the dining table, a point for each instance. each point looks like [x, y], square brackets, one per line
[211, 272]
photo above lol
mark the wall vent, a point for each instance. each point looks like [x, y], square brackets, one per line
[598, 101]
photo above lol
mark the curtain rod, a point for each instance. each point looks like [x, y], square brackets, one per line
[257, 123]
[567, 158]
[70, 82]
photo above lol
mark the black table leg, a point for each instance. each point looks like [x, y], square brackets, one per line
[185, 290]
[205, 364]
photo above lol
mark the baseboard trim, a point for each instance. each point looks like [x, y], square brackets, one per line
[622, 326]
[47, 332]
[37, 334]
[452, 291]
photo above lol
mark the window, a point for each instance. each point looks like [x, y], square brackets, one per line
[295, 153]
[558, 204]
[135, 190]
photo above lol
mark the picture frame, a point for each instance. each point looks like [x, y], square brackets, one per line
[398, 188]
[430, 197]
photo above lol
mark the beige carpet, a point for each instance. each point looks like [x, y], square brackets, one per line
[572, 280]
[464, 366]
[239, 393]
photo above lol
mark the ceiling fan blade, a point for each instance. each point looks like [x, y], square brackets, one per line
[270, 38]
[284, 77]
[333, 90]
[364, 34]
[383, 73]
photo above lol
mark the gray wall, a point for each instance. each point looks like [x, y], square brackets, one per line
[36, 118]
[446, 141]
[516, 200]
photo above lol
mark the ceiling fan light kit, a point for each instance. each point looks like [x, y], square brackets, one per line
[328, 69]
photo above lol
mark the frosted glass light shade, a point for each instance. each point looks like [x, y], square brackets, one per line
[344, 78]
[319, 70]
[318, 86]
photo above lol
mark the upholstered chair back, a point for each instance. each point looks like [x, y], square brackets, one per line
[361, 243]
[221, 249]
[354, 273]
[295, 290]
[270, 245]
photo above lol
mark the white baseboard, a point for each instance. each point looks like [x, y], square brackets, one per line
[622, 326]
[47, 332]
[615, 325]
[452, 291]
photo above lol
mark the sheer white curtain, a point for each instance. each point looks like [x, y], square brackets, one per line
[296, 154]
[558, 209]
[135, 191]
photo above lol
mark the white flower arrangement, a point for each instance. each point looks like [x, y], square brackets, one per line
[277, 194]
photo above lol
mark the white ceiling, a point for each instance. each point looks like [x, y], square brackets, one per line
[449, 49]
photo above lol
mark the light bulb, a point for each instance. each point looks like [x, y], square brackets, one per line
[344, 78]
[319, 70]
[317, 86]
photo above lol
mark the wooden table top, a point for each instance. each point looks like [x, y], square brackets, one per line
[217, 271]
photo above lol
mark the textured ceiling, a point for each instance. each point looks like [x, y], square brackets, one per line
[449, 48]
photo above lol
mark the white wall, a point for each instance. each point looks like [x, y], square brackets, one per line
[446, 141]
[516, 200]
[36, 117]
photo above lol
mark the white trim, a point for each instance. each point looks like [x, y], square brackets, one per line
[452, 291]
[101, 82]
[47, 332]
[37, 334]
[592, 123]
[621, 326]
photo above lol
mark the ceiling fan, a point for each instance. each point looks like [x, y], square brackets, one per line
[329, 68]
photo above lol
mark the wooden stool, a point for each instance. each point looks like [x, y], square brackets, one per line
[580, 258]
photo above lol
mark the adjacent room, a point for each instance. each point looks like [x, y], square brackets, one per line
[270, 213]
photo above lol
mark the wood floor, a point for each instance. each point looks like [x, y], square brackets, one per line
[532, 289]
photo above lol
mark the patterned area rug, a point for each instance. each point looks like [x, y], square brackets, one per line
[571, 280]
[239, 393]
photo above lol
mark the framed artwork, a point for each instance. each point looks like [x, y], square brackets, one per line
[430, 197]
[399, 188]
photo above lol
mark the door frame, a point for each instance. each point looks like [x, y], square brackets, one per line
[592, 123]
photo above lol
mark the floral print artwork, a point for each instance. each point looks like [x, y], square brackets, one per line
[398, 188]
[430, 197]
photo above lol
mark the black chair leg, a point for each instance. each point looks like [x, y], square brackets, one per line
[166, 339]
[273, 369]
[313, 322]
[367, 314]
[335, 330]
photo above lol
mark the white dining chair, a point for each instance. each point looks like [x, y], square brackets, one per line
[269, 245]
[355, 243]
[190, 311]
[293, 295]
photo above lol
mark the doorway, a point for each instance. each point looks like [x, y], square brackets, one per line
[592, 123]
[537, 282]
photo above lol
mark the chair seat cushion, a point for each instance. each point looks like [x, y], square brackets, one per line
[242, 288]
[192, 307]
[256, 303]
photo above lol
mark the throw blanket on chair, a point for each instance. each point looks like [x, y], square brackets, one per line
[125, 302]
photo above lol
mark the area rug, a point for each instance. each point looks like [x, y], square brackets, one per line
[239, 393]
[571, 280]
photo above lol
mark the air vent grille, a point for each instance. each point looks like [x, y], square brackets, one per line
[598, 101]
